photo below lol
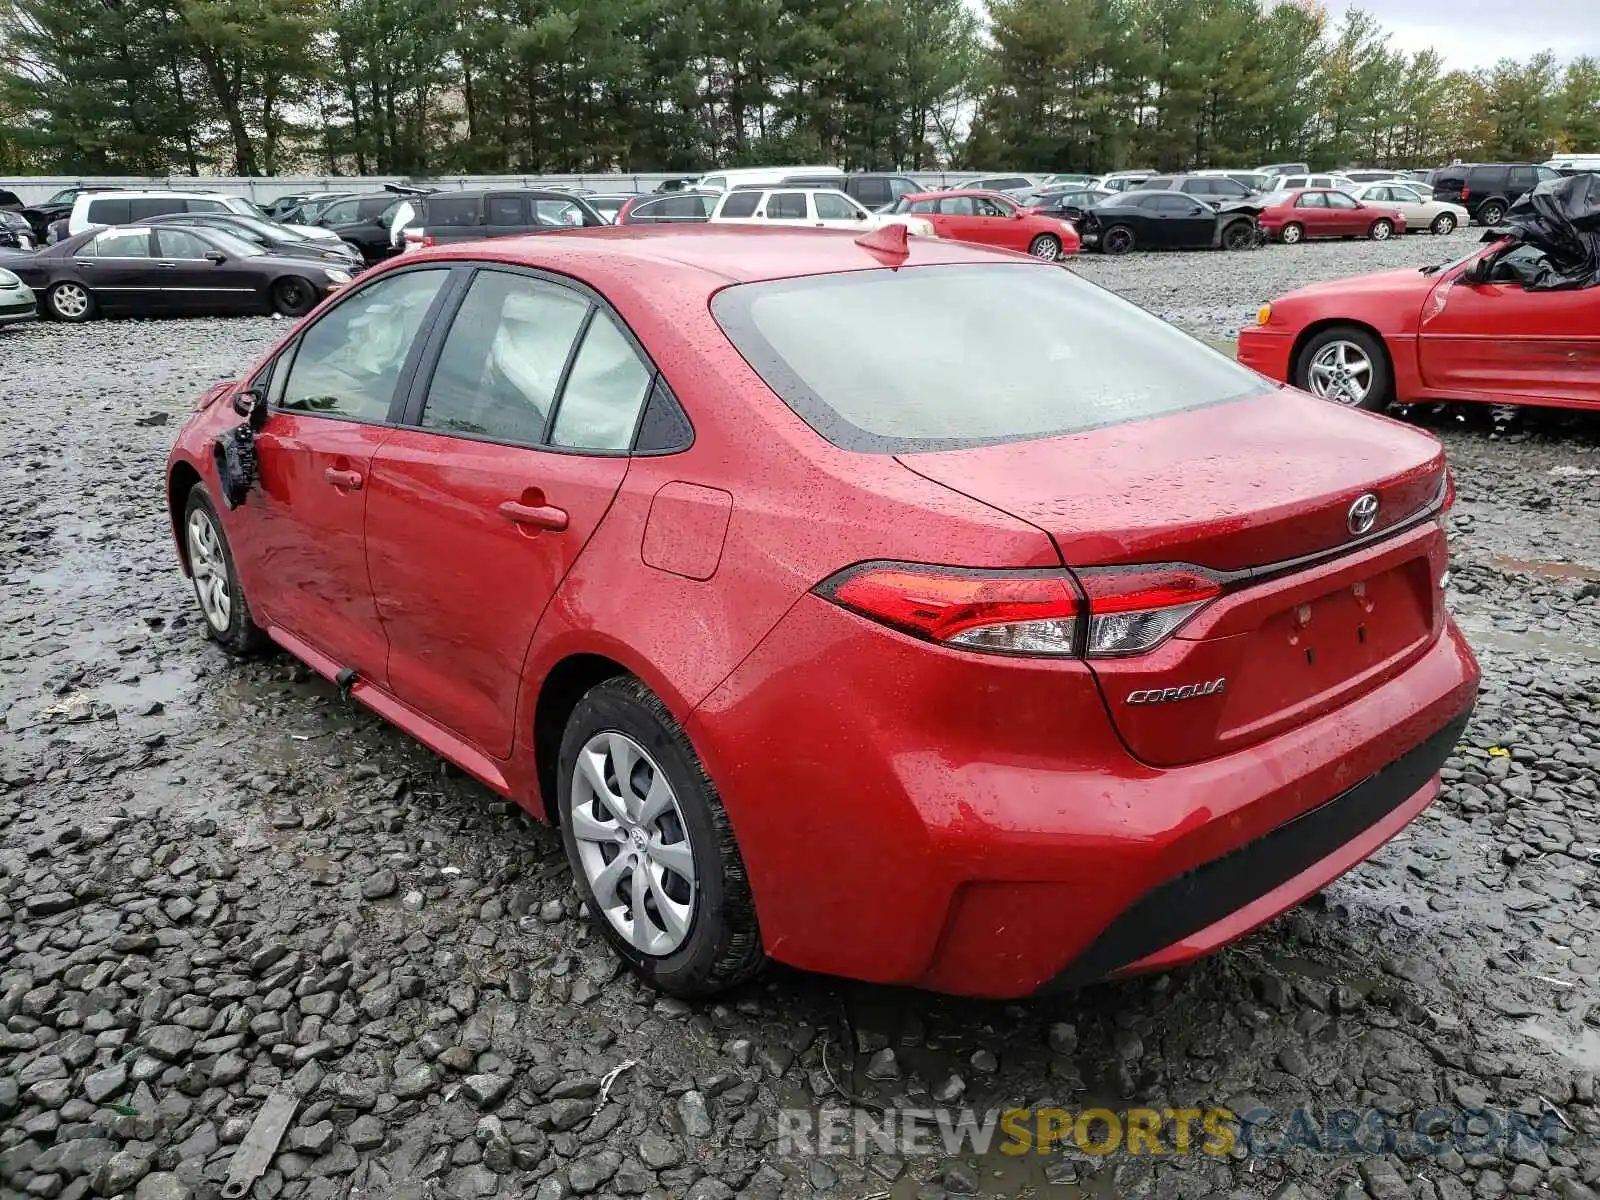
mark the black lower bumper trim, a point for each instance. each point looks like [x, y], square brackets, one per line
[1204, 895]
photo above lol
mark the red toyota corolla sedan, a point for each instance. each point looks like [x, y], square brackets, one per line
[912, 612]
[1469, 330]
[992, 219]
[1298, 216]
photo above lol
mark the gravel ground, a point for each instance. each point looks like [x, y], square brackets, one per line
[219, 883]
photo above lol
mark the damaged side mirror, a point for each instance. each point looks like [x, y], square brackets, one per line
[247, 401]
[1477, 272]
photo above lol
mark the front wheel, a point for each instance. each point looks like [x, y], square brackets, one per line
[1241, 235]
[216, 580]
[1117, 240]
[1492, 213]
[1347, 365]
[1291, 234]
[293, 296]
[650, 845]
[70, 301]
[1381, 231]
[1045, 246]
[1444, 223]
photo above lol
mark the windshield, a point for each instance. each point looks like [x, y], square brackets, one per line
[236, 246]
[947, 357]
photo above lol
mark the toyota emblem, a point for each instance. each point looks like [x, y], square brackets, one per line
[1363, 514]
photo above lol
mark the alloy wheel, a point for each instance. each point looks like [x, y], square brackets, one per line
[1291, 234]
[70, 300]
[209, 569]
[633, 843]
[1381, 231]
[1342, 372]
[1444, 223]
[1118, 241]
[1045, 247]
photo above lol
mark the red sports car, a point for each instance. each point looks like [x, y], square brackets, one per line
[991, 219]
[962, 626]
[1325, 213]
[1471, 330]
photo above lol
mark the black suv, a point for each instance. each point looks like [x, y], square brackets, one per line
[1488, 189]
[505, 212]
[1213, 189]
[868, 189]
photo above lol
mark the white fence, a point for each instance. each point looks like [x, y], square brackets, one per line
[34, 189]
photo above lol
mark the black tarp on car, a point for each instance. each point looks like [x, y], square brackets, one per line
[1561, 218]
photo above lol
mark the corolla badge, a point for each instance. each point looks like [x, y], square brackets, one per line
[1189, 691]
[1363, 514]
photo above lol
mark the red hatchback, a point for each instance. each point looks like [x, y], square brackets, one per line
[1307, 213]
[990, 219]
[932, 616]
[1470, 330]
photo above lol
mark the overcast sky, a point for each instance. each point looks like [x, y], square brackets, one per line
[1477, 33]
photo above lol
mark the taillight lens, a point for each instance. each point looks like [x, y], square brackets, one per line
[1135, 609]
[1000, 612]
[1449, 500]
[1126, 610]
[418, 240]
[1466, 193]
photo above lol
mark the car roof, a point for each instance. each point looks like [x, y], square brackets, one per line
[715, 255]
[984, 192]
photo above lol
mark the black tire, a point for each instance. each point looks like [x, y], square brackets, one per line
[1239, 235]
[70, 301]
[1492, 212]
[1117, 240]
[1292, 233]
[1381, 390]
[1046, 246]
[1382, 230]
[1444, 223]
[240, 634]
[294, 296]
[723, 945]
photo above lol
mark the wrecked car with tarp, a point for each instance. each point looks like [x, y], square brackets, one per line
[1550, 239]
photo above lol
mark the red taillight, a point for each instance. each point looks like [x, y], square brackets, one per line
[1125, 610]
[1465, 192]
[1449, 492]
[1002, 612]
[416, 239]
[627, 205]
[1135, 609]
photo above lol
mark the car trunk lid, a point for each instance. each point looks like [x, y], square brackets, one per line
[1317, 607]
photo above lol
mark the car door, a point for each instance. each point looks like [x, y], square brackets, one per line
[1500, 338]
[830, 211]
[456, 218]
[1187, 223]
[118, 265]
[333, 390]
[505, 214]
[1345, 216]
[196, 284]
[1311, 211]
[514, 446]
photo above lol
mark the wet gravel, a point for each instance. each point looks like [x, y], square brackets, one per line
[218, 883]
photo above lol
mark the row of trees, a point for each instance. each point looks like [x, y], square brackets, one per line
[424, 87]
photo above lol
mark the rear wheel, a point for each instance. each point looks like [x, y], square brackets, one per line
[1444, 223]
[1492, 213]
[1117, 240]
[1045, 246]
[293, 296]
[70, 301]
[650, 845]
[1347, 365]
[1381, 230]
[1291, 234]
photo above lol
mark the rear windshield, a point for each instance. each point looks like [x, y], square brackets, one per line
[947, 357]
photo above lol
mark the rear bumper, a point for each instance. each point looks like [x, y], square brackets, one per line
[919, 816]
[1267, 351]
[1204, 908]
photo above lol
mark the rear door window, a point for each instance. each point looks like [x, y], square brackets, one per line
[454, 212]
[180, 243]
[112, 211]
[604, 391]
[366, 210]
[122, 243]
[141, 207]
[509, 210]
[834, 208]
[786, 206]
[872, 192]
[344, 212]
[1523, 178]
[1312, 200]
[741, 204]
[503, 358]
[890, 362]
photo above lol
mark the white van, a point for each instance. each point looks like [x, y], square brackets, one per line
[726, 181]
[124, 208]
[820, 208]
[1574, 164]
